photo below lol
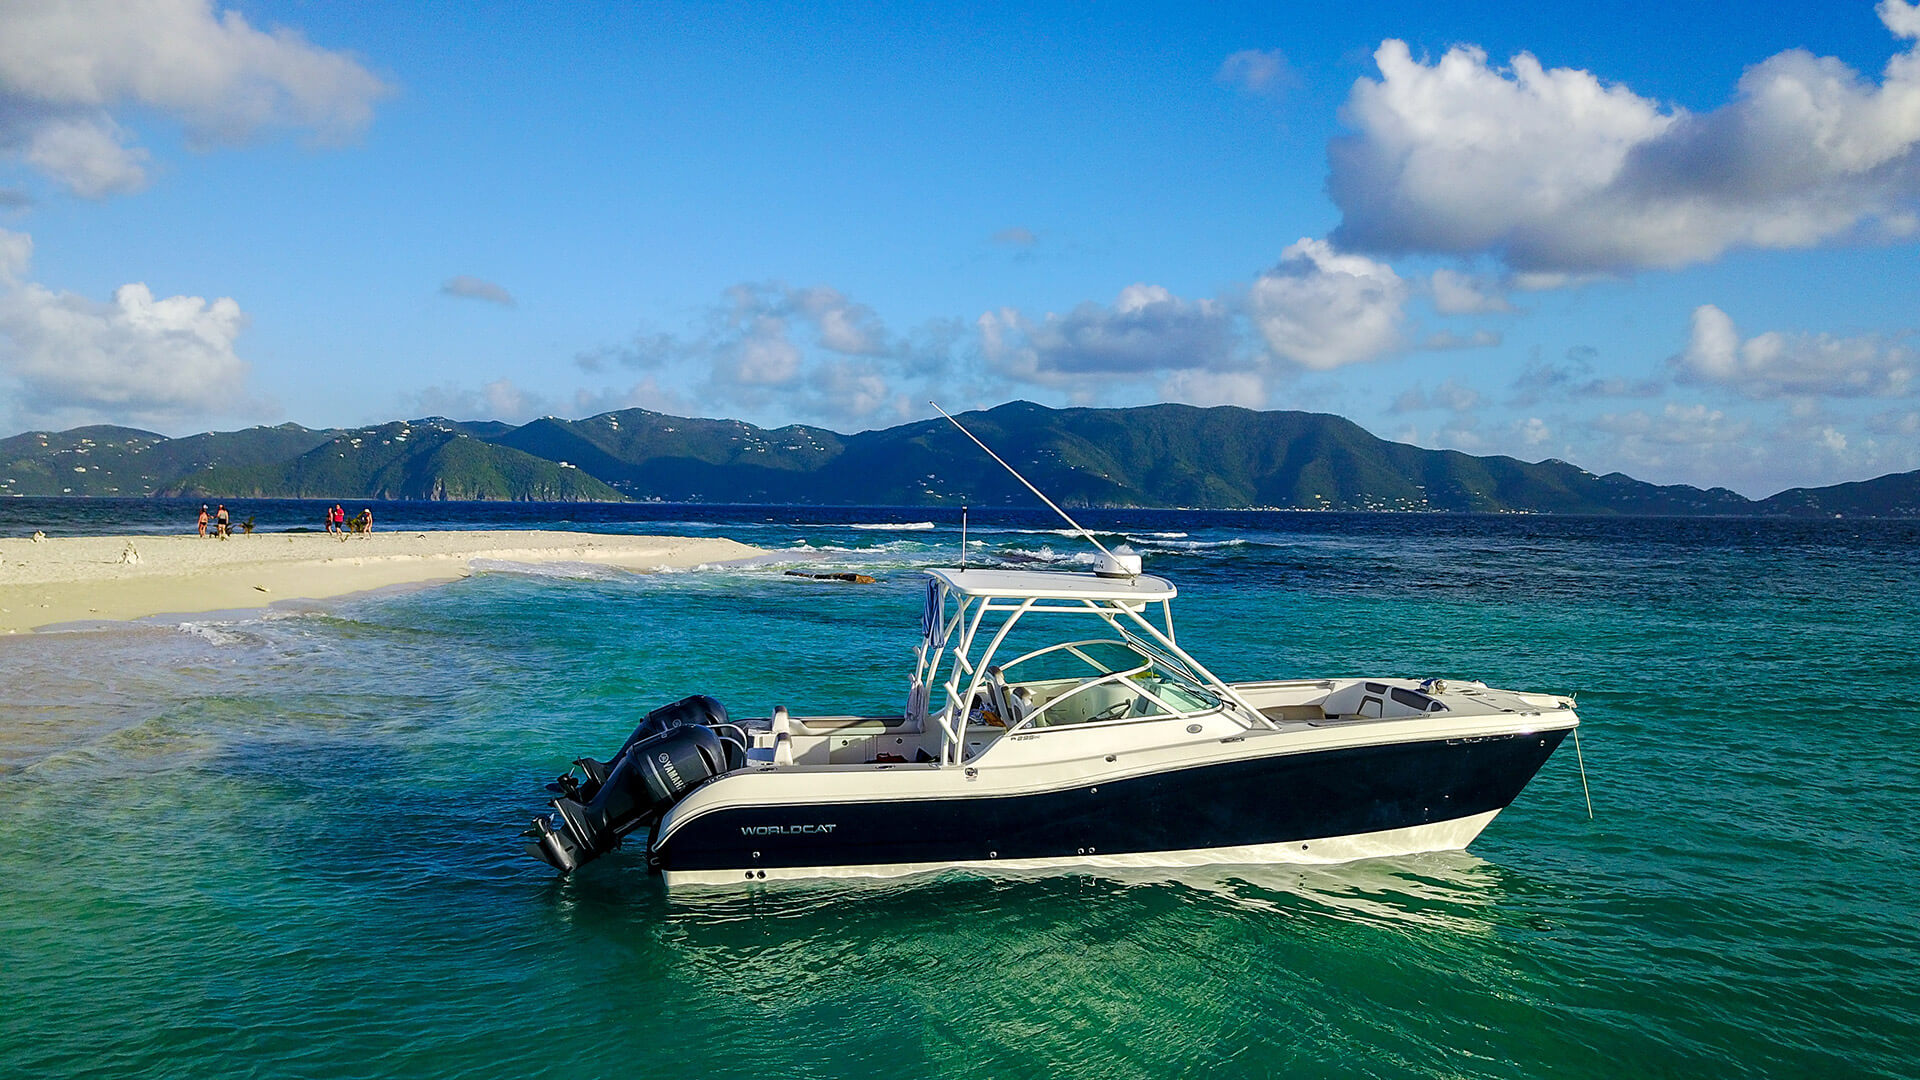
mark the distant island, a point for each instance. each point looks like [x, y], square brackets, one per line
[1151, 456]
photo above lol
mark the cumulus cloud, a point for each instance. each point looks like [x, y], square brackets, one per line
[1775, 364]
[1442, 340]
[1555, 172]
[1197, 387]
[1449, 395]
[1574, 379]
[1257, 71]
[16, 254]
[135, 358]
[66, 66]
[1321, 309]
[1146, 329]
[473, 288]
[811, 351]
[1758, 454]
[501, 399]
[1455, 293]
[1679, 443]
[88, 154]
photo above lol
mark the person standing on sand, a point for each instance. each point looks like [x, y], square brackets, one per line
[203, 520]
[221, 521]
[326, 512]
[366, 521]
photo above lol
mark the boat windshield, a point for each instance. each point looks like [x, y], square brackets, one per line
[1095, 681]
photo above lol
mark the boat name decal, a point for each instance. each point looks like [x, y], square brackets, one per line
[783, 830]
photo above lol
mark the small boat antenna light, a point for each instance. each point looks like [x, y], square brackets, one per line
[1110, 565]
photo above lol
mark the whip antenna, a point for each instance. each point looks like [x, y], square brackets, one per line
[1077, 527]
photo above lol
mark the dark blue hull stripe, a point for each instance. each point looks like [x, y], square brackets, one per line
[1297, 797]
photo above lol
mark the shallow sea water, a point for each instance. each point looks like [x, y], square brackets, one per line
[285, 844]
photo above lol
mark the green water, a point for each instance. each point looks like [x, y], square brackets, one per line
[285, 846]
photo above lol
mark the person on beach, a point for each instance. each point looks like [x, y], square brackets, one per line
[366, 521]
[327, 513]
[222, 521]
[203, 520]
[340, 519]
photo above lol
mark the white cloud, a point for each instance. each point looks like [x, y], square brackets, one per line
[1541, 380]
[1320, 309]
[812, 353]
[1441, 340]
[1257, 71]
[1146, 329]
[1455, 293]
[473, 288]
[88, 154]
[1901, 17]
[65, 66]
[501, 399]
[1197, 387]
[1776, 364]
[16, 254]
[136, 358]
[1449, 395]
[762, 355]
[1555, 172]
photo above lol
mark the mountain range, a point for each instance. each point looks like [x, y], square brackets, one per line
[1155, 455]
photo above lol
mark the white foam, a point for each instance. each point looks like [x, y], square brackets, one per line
[578, 571]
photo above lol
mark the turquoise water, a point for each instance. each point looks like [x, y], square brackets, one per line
[285, 845]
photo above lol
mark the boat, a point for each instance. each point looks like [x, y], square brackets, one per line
[1052, 722]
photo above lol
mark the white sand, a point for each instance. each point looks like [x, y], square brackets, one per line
[62, 580]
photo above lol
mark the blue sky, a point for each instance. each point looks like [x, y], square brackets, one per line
[1677, 240]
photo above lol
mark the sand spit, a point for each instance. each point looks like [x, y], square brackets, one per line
[71, 579]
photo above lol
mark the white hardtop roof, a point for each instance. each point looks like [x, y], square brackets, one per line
[1054, 585]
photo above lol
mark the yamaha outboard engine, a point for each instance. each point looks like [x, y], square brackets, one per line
[674, 750]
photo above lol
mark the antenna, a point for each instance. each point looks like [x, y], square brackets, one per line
[1077, 527]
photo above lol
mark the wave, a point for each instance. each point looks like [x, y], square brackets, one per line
[575, 571]
[1192, 545]
[899, 526]
[216, 633]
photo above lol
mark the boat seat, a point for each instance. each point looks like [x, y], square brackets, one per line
[782, 728]
[862, 725]
[1378, 700]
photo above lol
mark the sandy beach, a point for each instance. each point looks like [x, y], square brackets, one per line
[72, 579]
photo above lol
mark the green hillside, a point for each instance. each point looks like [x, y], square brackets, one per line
[402, 460]
[1893, 495]
[105, 460]
[1157, 455]
[650, 454]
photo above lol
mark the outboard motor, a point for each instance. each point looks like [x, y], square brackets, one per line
[673, 751]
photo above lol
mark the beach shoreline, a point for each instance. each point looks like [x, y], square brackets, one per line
[64, 580]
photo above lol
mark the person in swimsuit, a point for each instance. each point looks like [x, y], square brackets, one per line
[203, 521]
[221, 521]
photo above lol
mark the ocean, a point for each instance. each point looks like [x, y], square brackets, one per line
[284, 844]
